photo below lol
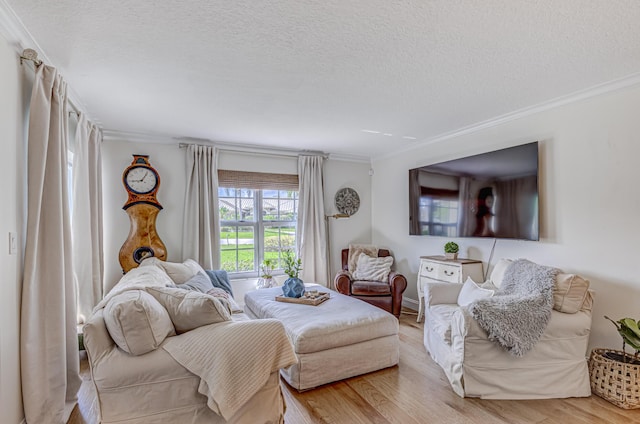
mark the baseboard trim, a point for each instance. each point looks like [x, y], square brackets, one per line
[409, 303]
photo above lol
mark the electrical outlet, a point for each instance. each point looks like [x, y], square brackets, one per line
[13, 243]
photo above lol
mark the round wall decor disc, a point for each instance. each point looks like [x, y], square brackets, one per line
[347, 201]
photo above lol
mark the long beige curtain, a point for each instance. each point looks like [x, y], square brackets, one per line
[201, 228]
[311, 240]
[87, 217]
[48, 338]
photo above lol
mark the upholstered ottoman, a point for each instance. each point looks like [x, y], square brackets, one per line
[339, 338]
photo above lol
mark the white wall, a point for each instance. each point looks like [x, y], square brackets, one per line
[15, 86]
[357, 228]
[590, 205]
[170, 162]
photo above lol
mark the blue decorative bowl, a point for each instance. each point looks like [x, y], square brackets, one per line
[293, 287]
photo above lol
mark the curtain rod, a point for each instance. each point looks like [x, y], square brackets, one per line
[32, 56]
[261, 150]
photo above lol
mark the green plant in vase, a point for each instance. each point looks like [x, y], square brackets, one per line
[451, 250]
[293, 286]
[615, 374]
[266, 279]
[629, 330]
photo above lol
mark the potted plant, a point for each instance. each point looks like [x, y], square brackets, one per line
[293, 286]
[615, 374]
[451, 250]
[266, 279]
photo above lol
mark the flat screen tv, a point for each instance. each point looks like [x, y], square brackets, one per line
[493, 194]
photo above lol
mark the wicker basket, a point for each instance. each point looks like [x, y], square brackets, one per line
[617, 382]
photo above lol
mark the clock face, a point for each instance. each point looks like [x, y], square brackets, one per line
[141, 179]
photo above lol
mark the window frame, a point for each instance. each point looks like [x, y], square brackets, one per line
[432, 195]
[259, 224]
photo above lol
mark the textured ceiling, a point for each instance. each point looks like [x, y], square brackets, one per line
[313, 75]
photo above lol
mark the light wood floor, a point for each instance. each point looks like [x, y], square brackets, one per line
[415, 391]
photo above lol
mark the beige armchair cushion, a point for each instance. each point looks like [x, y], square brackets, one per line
[570, 293]
[373, 269]
[356, 250]
[497, 275]
[190, 309]
[136, 322]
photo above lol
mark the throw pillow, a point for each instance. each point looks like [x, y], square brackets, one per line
[488, 285]
[136, 322]
[373, 269]
[220, 278]
[198, 282]
[569, 293]
[355, 251]
[226, 298]
[179, 272]
[471, 292]
[190, 309]
[497, 275]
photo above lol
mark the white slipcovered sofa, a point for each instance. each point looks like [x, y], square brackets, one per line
[477, 367]
[180, 362]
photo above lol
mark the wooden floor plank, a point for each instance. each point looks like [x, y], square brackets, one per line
[415, 391]
[393, 412]
[296, 410]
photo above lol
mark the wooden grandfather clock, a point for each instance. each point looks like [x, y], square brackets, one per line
[141, 181]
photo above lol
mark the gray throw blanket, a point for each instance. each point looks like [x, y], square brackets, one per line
[220, 279]
[517, 315]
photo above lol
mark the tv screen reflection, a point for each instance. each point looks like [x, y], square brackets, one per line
[494, 194]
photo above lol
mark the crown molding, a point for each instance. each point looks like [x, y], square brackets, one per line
[115, 135]
[138, 137]
[574, 97]
[13, 30]
[350, 158]
[17, 35]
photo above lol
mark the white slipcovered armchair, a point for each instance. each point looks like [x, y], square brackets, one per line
[477, 367]
[143, 373]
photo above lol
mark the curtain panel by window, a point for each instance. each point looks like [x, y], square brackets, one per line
[201, 228]
[48, 338]
[87, 217]
[311, 241]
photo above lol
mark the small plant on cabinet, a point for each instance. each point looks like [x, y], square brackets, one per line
[451, 250]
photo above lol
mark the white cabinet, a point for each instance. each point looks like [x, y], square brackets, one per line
[437, 269]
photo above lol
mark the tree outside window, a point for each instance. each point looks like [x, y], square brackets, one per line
[254, 225]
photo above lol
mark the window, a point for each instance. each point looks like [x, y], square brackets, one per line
[255, 223]
[438, 212]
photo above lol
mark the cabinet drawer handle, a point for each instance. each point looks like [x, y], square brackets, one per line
[449, 273]
[428, 269]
